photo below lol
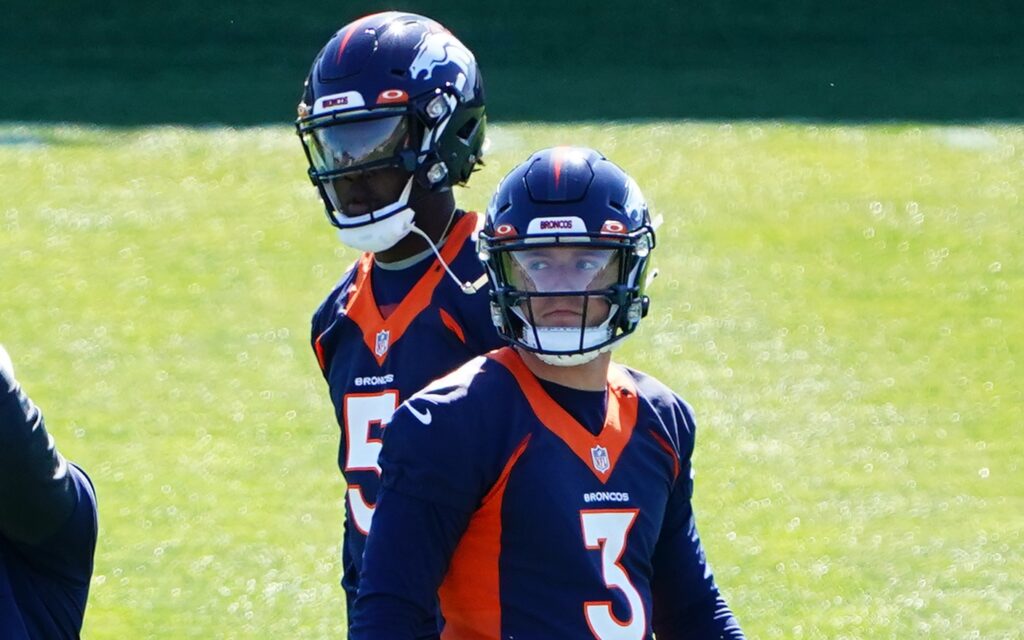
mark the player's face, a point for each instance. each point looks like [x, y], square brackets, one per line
[361, 192]
[564, 269]
[347, 146]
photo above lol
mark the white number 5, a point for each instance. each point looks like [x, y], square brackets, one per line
[363, 411]
[607, 529]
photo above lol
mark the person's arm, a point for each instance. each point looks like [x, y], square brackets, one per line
[687, 603]
[317, 331]
[37, 491]
[407, 555]
[437, 464]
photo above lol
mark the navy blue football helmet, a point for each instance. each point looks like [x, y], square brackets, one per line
[391, 90]
[567, 225]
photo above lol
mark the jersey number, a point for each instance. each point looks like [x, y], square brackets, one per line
[363, 411]
[607, 530]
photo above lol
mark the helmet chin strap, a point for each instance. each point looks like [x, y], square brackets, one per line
[567, 340]
[573, 360]
[380, 235]
[400, 222]
[380, 229]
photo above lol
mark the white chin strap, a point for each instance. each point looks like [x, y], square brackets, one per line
[380, 235]
[381, 229]
[563, 343]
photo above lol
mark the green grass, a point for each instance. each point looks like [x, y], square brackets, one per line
[841, 305]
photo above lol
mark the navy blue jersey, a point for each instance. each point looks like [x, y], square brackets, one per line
[373, 361]
[47, 527]
[530, 525]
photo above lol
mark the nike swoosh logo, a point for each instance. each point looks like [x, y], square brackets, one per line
[424, 417]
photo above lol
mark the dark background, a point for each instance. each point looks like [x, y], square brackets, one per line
[243, 63]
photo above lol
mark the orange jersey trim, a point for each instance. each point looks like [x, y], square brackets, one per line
[452, 325]
[470, 594]
[363, 309]
[618, 423]
[663, 443]
[319, 348]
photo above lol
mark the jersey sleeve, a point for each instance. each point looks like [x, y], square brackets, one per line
[687, 603]
[47, 506]
[36, 493]
[438, 447]
[67, 554]
[324, 318]
[438, 462]
[317, 332]
[397, 590]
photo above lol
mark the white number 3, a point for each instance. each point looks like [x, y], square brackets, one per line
[607, 530]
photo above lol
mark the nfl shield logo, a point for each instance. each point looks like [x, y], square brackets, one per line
[600, 456]
[383, 337]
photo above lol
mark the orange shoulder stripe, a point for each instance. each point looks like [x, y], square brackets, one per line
[452, 325]
[663, 443]
[320, 357]
[470, 595]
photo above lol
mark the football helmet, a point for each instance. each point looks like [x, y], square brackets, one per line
[567, 241]
[390, 90]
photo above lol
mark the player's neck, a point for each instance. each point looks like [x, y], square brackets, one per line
[435, 215]
[591, 376]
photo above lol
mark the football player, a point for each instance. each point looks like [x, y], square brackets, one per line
[542, 490]
[392, 117]
[47, 524]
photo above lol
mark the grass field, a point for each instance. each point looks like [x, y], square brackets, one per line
[841, 304]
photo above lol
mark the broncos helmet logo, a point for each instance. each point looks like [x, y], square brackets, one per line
[635, 205]
[438, 49]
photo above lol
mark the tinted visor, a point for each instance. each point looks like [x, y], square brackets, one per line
[345, 146]
[554, 269]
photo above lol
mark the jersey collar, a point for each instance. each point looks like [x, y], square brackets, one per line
[379, 333]
[599, 452]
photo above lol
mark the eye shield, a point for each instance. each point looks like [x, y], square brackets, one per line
[567, 268]
[340, 146]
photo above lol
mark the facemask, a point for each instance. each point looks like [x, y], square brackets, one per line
[378, 230]
[567, 340]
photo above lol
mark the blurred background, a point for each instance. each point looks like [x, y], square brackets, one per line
[842, 188]
[242, 63]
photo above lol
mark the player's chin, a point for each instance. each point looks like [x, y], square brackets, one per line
[362, 205]
[561, 319]
[356, 209]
